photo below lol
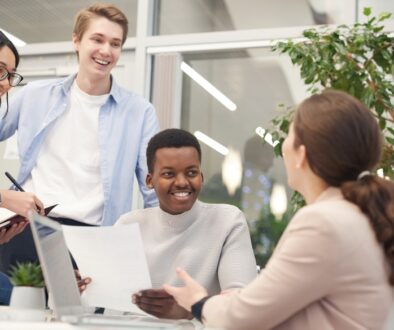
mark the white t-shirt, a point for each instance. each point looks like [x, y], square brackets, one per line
[68, 166]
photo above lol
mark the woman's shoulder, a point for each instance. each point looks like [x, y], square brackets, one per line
[336, 217]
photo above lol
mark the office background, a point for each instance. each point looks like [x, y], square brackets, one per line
[176, 52]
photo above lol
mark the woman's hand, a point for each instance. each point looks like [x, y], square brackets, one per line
[159, 303]
[189, 294]
[6, 234]
[21, 202]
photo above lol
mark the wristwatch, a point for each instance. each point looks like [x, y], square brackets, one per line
[197, 308]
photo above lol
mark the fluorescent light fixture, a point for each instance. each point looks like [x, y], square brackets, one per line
[211, 89]
[267, 137]
[16, 41]
[211, 143]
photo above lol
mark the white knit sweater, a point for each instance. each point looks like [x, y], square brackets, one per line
[210, 241]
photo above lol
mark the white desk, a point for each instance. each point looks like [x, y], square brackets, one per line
[13, 325]
[16, 319]
[9, 325]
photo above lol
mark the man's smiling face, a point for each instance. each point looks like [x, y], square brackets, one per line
[99, 49]
[176, 178]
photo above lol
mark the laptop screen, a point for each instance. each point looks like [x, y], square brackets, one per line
[56, 265]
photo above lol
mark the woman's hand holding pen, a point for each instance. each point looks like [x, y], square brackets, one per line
[31, 202]
[21, 202]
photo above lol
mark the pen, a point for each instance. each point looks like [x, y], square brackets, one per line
[16, 184]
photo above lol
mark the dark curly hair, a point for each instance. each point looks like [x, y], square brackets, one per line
[170, 138]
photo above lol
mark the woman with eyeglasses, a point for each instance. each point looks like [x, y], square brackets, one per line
[15, 201]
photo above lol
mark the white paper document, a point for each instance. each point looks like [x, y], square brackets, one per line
[115, 260]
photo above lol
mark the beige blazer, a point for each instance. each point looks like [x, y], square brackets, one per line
[328, 272]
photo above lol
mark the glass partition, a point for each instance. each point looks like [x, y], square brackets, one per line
[52, 21]
[192, 16]
[228, 99]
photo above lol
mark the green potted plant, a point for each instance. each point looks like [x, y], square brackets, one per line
[28, 291]
[357, 59]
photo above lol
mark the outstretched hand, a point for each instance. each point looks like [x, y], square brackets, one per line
[159, 303]
[189, 294]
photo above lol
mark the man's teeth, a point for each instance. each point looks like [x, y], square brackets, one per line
[101, 61]
[181, 194]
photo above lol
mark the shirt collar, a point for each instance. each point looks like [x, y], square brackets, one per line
[115, 91]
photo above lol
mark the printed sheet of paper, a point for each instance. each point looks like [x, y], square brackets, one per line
[115, 260]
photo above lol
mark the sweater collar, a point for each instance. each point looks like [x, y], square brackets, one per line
[180, 221]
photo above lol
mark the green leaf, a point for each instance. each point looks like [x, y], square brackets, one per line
[384, 16]
[27, 274]
[390, 140]
[382, 123]
[391, 130]
[368, 98]
[367, 11]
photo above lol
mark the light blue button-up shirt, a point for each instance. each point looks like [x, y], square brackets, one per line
[126, 123]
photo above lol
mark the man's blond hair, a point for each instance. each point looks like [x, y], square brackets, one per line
[108, 11]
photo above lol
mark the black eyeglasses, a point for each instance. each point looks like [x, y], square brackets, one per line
[13, 77]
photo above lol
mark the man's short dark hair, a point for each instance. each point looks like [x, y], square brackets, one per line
[170, 138]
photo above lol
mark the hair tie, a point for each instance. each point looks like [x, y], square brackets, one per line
[363, 174]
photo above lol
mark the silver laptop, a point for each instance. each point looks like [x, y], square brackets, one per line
[62, 285]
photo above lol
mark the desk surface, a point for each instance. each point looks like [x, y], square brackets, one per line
[12, 325]
[22, 319]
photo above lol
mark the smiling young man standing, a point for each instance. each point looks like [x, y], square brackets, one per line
[211, 241]
[81, 139]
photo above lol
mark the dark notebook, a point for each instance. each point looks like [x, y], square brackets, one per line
[8, 218]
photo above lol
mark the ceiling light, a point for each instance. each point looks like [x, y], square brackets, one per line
[232, 171]
[217, 94]
[16, 41]
[278, 201]
[211, 143]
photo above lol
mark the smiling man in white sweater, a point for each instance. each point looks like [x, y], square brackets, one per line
[210, 241]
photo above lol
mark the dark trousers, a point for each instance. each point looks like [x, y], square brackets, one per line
[21, 248]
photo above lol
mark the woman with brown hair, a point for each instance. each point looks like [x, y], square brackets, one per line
[334, 265]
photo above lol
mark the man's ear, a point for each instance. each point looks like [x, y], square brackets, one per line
[202, 177]
[75, 42]
[148, 181]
